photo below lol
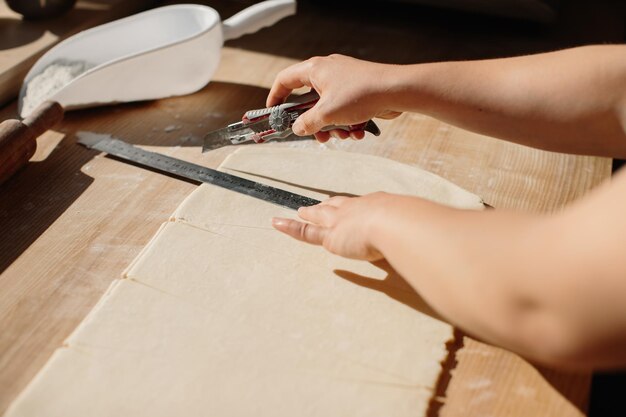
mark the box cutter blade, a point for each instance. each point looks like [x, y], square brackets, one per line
[272, 123]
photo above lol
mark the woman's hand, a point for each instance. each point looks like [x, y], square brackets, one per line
[343, 225]
[351, 91]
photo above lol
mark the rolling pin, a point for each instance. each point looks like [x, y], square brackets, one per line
[18, 139]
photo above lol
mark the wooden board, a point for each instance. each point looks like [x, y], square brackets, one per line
[73, 220]
[22, 42]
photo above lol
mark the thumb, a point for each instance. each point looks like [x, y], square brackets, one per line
[308, 123]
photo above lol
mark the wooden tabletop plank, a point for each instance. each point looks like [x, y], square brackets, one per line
[73, 220]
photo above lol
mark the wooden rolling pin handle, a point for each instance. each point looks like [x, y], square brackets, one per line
[18, 139]
[44, 117]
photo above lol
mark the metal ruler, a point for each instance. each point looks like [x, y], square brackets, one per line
[178, 167]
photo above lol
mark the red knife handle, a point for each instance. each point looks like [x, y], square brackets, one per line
[302, 102]
[306, 101]
[368, 126]
[282, 117]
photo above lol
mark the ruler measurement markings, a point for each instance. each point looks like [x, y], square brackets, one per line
[167, 164]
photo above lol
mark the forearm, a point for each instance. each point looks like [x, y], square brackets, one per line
[469, 266]
[569, 101]
[517, 280]
[550, 287]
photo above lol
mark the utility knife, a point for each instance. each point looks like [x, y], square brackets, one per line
[272, 123]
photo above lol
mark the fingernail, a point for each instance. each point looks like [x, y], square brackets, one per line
[297, 129]
[278, 222]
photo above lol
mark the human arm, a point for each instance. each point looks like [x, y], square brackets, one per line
[550, 287]
[571, 101]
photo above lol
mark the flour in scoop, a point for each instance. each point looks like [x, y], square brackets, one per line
[48, 82]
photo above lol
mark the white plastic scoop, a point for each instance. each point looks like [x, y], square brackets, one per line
[168, 51]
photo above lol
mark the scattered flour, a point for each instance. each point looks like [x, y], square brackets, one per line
[171, 128]
[190, 140]
[48, 82]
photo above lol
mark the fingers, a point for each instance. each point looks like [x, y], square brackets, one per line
[321, 214]
[344, 134]
[308, 123]
[286, 81]
[305, 232]
[320, 218]
[325, 136]
[339, 133]
[322, 137]
[336, 201]
[357, 134]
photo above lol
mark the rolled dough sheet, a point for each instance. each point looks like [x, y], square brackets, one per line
[317, 174]
[220, 315]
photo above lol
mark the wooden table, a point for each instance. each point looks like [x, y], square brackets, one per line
[73, 220]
